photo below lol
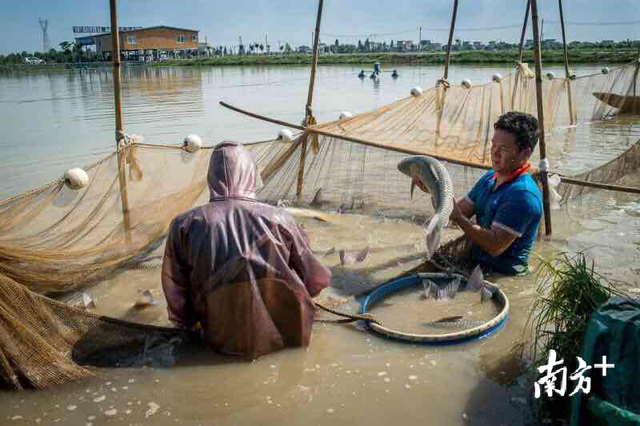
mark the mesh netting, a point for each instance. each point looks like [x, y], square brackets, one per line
[55, 239]
[44, 343]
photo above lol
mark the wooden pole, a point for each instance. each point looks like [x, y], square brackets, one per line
[440, 101]
[572, 114]
[314, 63]
[115, 57]
[308, 114]
[524, 31]
[541, 143]
[520, 52]
[451, 29]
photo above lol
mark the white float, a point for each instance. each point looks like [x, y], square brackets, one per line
[76, 178]
[551, 75]
[192, 143]
[496, 78]
[345, 114]
[605, 70]
[416, 91]
[285, 135]
[466, 83]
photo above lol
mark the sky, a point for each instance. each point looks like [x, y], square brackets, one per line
[221, 22]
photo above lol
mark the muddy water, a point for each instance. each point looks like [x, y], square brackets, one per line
[347, 376]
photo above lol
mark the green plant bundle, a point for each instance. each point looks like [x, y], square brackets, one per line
[569, 292]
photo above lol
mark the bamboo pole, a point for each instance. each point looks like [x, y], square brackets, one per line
[314, 63]
[440, 101]
[308, 113]
[115, 57]
[520, 52]
[451, 29]
[541, 143]
[572, 113]
[564, 179]
[524, 31]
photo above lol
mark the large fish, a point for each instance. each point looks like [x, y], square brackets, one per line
[431, 176]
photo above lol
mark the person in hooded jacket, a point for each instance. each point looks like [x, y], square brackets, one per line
[240, 268]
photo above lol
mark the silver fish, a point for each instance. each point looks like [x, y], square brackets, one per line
[87, 301]
[437, 292]
[430, 175]
[476, 283]
[454, 322]
[146, 299]
[351, 258]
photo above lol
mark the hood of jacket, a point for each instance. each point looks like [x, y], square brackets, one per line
[232, 172]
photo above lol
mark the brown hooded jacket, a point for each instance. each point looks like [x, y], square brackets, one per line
[241, 268]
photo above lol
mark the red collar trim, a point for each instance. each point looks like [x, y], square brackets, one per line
[515, 174]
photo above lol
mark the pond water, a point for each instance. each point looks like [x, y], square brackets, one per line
[52, 122]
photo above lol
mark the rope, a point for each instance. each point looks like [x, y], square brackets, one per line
[444, 82]
[348, 317]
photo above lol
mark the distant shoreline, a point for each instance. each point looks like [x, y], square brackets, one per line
[366, 60]
[389, 58]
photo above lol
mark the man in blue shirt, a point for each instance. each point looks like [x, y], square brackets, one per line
[506, 200]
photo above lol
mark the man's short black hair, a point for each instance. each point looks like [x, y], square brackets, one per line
[523, 126]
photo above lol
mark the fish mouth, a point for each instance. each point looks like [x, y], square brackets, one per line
[416, 183]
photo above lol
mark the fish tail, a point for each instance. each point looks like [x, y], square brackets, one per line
[433, 236]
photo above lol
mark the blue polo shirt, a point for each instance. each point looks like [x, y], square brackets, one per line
[515, 207]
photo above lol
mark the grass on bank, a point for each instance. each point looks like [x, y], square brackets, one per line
[389, 58]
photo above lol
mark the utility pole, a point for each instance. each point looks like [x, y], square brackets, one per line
[266, 43]
[46, 45]
[420, 39]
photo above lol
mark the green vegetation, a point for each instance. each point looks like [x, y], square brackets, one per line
[470, 57]
[569, 292]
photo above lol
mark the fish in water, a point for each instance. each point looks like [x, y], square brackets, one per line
[317, 199]
[87, 301]
[322, 217]
[437, 292]
[146, 299]
[351, 258]
[476, 283]
[431, 176]
[454, 322]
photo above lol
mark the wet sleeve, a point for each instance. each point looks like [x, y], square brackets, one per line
[314, 274]
[175, 280]
[518, 214]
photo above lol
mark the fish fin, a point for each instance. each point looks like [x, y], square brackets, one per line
[317, 199]
[342, 257]
[452, 288]
[554, 197]
[449, 319]
[362, 255]
[476, 280]
[433, 236]
[485, 294]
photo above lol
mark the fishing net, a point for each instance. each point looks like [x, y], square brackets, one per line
[55, 239]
